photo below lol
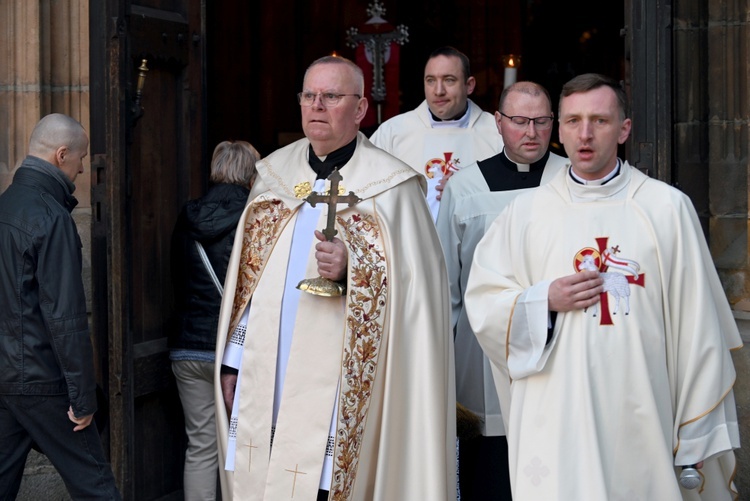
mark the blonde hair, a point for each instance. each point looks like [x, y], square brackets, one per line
[233, 162]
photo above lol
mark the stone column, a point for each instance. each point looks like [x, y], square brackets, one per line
[19, 81]
[728, 137]
[728, 75]
[44, 68]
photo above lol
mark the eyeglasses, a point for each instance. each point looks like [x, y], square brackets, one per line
[329, 99]
[523, 122]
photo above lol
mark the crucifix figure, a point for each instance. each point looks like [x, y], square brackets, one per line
[377, 41]
[322, 286]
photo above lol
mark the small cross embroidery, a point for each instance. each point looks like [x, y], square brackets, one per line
[250, 448]
[294, 482]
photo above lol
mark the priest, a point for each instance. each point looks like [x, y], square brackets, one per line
[470, 202]
[597, 294]
[447, 131]
[348, 397]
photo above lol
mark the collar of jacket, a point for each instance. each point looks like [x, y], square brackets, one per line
[40, 174]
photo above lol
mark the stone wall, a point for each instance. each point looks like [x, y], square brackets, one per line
[711, 113]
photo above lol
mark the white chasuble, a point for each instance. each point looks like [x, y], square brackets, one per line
[384, 348]
[433, 152]
[625, 391]
[467, 209]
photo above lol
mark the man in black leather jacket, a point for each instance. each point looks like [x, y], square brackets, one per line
[47, 386]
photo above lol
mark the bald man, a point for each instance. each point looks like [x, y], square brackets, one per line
[47, 386]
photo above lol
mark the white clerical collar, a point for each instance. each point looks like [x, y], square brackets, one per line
[597, 182]
[461, 123]
[519, 167]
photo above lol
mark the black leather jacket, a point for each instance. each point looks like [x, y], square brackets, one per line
[44, 337]
[212, 221]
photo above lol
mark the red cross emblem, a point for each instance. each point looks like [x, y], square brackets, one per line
[599, 258]
[443, 165]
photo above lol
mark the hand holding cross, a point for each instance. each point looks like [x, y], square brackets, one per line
[322, 286]
[332, 199]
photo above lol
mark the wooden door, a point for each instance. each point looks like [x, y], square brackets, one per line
[648, 80]
[147, 160]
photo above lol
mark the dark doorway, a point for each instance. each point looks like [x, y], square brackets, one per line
[565, 39]
[256, 54]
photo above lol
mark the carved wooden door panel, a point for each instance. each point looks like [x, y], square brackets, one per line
[648, 80]
[147, 146]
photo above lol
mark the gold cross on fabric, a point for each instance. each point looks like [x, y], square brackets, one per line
[296, 472]
[332, 199]
[250, 448]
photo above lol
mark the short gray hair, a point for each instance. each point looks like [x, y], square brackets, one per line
[359, 76]
[56, 130]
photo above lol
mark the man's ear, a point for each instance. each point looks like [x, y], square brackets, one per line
[498, 122]
[60, 154]
[471, 82]
[624, 131]
[361, 110]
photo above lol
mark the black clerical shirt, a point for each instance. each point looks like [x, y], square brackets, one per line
[501, 173]
[334, 160]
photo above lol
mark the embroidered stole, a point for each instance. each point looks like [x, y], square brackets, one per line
[328, 350]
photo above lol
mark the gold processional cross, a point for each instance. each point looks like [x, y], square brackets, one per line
[322, 286]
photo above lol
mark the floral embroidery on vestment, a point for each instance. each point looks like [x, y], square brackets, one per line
[368, 290]
[262, 228]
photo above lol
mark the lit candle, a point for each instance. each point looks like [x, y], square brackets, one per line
[511, 72]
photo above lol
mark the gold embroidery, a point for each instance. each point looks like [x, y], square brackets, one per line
[365, 318]
[302, 190]
[263, 225]
[384, 181]
[342, 190]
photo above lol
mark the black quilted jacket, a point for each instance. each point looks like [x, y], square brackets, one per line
[211, 220]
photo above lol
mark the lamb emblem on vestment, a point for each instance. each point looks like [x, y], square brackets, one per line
[441, 166]
[615, 283]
